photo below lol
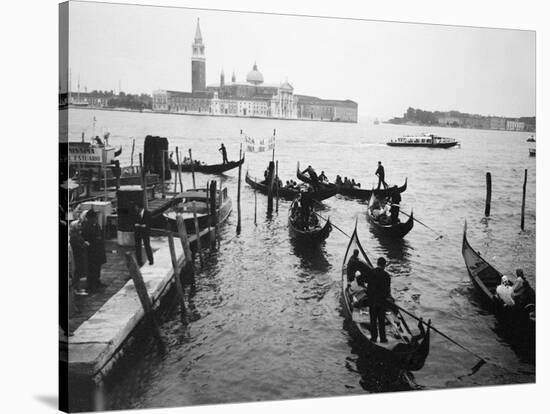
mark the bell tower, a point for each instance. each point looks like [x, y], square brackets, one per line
[198, 63]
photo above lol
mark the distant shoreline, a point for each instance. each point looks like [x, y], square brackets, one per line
[203, 114]
[416, 124]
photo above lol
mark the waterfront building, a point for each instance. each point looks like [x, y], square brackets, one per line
[250, 98]
[512, 125]
[497, 123]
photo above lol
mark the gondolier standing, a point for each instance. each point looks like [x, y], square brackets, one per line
[395, 201]
[378, 294]
[224, 153]
[381, 175]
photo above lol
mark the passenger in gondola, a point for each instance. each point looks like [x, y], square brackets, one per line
[224, 153]
[395, 200]
[381, 175]
[347, 183]
[504, 291]
[523, 293]
[338, 181]
[378, 296]
[353, 184]
[323, 178]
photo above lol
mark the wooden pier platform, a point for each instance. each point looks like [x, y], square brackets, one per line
[108, 318]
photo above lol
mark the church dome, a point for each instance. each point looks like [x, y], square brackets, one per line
[255, 76]
[286, 86]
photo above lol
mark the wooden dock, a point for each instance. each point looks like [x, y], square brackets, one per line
[108, 320]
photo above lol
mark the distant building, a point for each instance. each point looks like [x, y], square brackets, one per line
[512, 125]
[449, 121]
[251, 98]
[497, 123]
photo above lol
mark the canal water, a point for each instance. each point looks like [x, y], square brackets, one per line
[267, 318]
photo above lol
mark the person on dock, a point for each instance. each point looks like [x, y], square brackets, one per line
[79, 248]
[142, 233]
[92, 233]
[224, 153]
[381, 175]
[395, 200]
[117, 172]
[378, 295]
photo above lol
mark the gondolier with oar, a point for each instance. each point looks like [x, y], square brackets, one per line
[395, 201]
[381, 175]
[378, 296]
[224, 153]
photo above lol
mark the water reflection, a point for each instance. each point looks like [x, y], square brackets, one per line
[312, 256]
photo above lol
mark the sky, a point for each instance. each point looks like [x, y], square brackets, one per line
[383, 66]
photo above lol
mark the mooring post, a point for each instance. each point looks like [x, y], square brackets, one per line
[488, 197]
[269, 180]
[192, 167]
[239, 194]
[255, 206]
[143, 179]
[143, 295]
[179, 169]
[197, 231]
[213, 213]
[182, 231]
[132, 154]
[277, 184]
[523, 201]
[163, 174]
[177, 278]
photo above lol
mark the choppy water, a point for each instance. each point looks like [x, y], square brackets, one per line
[268, 322]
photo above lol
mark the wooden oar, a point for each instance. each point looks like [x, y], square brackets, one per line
[440, 236]
[481, 360]
[333, 225]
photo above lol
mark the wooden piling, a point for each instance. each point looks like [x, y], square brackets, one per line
[143, 179]
[488, 197]
[182, 231]
[239, 194]
[213, 214]
[143, 295]
[192, 168]
[132, 154]
[277, 184]
[255, 207]
[177, 278]
[179, 169]
[163, 175]
[197, 231]
[270, 187]
[523, 201]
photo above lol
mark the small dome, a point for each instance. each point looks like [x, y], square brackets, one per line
[286, 86]
[255, 76]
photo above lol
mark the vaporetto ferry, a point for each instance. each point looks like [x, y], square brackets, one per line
[423, 140]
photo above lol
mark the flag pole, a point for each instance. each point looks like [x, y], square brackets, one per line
[273, 156]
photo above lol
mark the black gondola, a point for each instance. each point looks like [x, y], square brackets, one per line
[289, 193]
[486, 279]
[396, 230]
[306, 228]
[359, 193]
[207, 169]
[405, 349]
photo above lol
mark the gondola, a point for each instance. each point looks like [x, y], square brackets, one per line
[315, 233]
[358, 193]
[486, 279]
[207, 169]
[397, 230]
[290, 193]
[199, 196]
[405, 349]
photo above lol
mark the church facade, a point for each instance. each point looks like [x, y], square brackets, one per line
[249, 98]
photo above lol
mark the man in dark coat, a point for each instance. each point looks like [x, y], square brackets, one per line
[395, 201]
[142, 233]
[79, 248]
[224, 153]
[378, 294]
[92, 233]
[381, 176]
